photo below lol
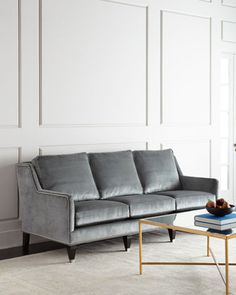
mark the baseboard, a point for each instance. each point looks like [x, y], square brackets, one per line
[33, 249]
[13, 238]
[11, 241]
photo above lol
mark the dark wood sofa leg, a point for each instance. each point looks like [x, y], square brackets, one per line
[172, 234]
[71, 250]
[127, 242]
[26, 241]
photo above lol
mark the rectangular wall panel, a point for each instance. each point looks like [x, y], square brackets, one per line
[9, 88]
[93, 63]
[228, 31]
[8, 193]
[194, 157]
[231, 3]
[102, 147]
[186, 66]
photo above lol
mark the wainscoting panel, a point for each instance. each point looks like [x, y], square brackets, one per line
[9, 64]
[103, 76]
[194, 157]
[230, 3]
[105, 147]
[186, 66]
[229, 31]
[8, 192]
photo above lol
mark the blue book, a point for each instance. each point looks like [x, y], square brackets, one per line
[210, 218]
[215, 226]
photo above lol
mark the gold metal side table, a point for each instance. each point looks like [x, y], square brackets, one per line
[184, 222]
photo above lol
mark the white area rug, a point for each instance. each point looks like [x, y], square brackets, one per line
[103, 268]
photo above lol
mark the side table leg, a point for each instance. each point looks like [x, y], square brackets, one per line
[140, 248]
[208, 246]
[226, 267]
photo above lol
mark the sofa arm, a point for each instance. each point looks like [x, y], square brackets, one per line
[209, 185]
[45, 213]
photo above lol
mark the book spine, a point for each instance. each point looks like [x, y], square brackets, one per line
[214, 226]
[212, 221]
[217, 222]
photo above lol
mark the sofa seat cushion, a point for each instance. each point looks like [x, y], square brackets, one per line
[157, 170]
[70, 174]
[115, 174]
[186, 199]
[97, 211]
[147, 205]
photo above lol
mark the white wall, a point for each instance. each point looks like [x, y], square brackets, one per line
[97, 75]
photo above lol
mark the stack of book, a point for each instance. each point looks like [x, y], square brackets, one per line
[214, 222]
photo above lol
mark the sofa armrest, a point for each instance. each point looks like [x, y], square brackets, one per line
[209, 185]
[45, 213]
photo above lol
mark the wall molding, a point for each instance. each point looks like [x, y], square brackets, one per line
[222, 31]
[19, 68]
[19, 98]
[177, 124]
[93, 146]
[12, 237]
[19, 157]
[192, 141]
[56, 125]
[91, 125]
[126, 3]
[224, 3]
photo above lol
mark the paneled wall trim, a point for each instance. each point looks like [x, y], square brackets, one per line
[230, 3]
[9, 206]
[192, 151]
[10, 61]
[106, 93]
[89, 148]
[107, 75]
[228, 31]
[183, 38]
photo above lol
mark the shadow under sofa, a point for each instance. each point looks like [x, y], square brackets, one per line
[79, 198]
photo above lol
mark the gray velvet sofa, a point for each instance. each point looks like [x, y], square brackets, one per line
[80, 198]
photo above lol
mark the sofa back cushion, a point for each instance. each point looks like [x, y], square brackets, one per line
[157, 170]
[69, 174]
[115, 174]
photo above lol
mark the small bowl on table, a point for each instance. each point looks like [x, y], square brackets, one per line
[220, 211]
